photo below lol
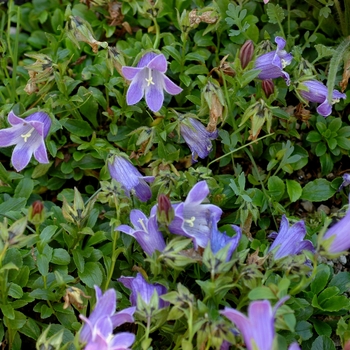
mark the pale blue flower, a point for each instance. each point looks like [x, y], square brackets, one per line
[148, 79]
[28, 136]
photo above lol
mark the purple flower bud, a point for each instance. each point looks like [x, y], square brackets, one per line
[246, 53]
[315, 91]
[268, 87]
[148, 79]
[165, 211]
[131, 179]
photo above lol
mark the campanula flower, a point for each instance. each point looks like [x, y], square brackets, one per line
[148, 79]
[258, 328]
[219, 240]
[272, 63]
[192, 218]
[315, 91]
[346, 181]
[122, 170]
[290, 240]
[338, 235]
[197, 137]
[97, 331]
[28, 136]
[145, 231]
[139, 286]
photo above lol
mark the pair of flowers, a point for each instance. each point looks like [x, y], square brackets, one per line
[97, 331]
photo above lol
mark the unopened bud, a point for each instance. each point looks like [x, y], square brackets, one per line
[36, 213]
[268, 87]
[246, 53]
[165, 211]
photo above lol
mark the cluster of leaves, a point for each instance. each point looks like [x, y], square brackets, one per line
[299, 157]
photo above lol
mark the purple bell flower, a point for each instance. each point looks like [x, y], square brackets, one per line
[97, 331]
[258, 328]
[148, 79]
[28, 137]
[145, 231]
[197, 137]
[219, 240]
[346, 181]
[123, 171]
[272, 63]
[340, 235]
[194, 219]
[139, 286]
[290, 240]
[318, 92]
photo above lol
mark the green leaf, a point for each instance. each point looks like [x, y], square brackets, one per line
[304, 329]
[78, 127]
[321, 279]
[60, 257]
[275, 13]
[335, 124]
[336, 303]
[294, 190]
[18, 322]
[343, 142]
[323, 342]
[12, 204]
[24, 188]
[261, 293]
[15, 291]
[91, 275]
[326, 163]
[47, 233]
[320, 149]
[313, 136]
[8, 311]
[322, 328]
[318, 190]
[31, 329]
[276, 187]
[342, 281]
[327, 293]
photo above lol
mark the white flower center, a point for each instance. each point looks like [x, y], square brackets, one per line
[284, 63]
[335, 100]
[149, 79]
[142, 224]
[27, 135]
[191, 221]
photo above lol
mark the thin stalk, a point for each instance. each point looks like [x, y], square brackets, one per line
[341, 17]
[157, 39]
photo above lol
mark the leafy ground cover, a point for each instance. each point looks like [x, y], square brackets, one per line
[174, 174]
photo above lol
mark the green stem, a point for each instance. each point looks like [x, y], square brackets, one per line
[341, 17]
[314, 32]
[157, 39]
[240, 148]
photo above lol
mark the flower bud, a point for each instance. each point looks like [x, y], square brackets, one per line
[165, 211]
[268, 87]
[36, 213]
[246, 53]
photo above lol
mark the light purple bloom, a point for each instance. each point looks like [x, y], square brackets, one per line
[131, 179]
[272, 63]
[97, 331]
[148, 79]
[28, 137]
[346, 181]
[138, 285]
[145, 231]
[193, 219]
[318, 92]
[294, 346]
[219, 240]
[290, 240]
[258, 328]
[197, 137]
[340, 233]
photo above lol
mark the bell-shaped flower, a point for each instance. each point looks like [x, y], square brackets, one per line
[140, 287]
[194, 219]
[98, 328]
[28, 136]
[123, 171]
[338, 236]
[258, 328]
[315, 91]
[148, 79]
[346, 181]
[220, 240]
[197, 137]
[145, 231]
[290, 240]
[272, 63]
